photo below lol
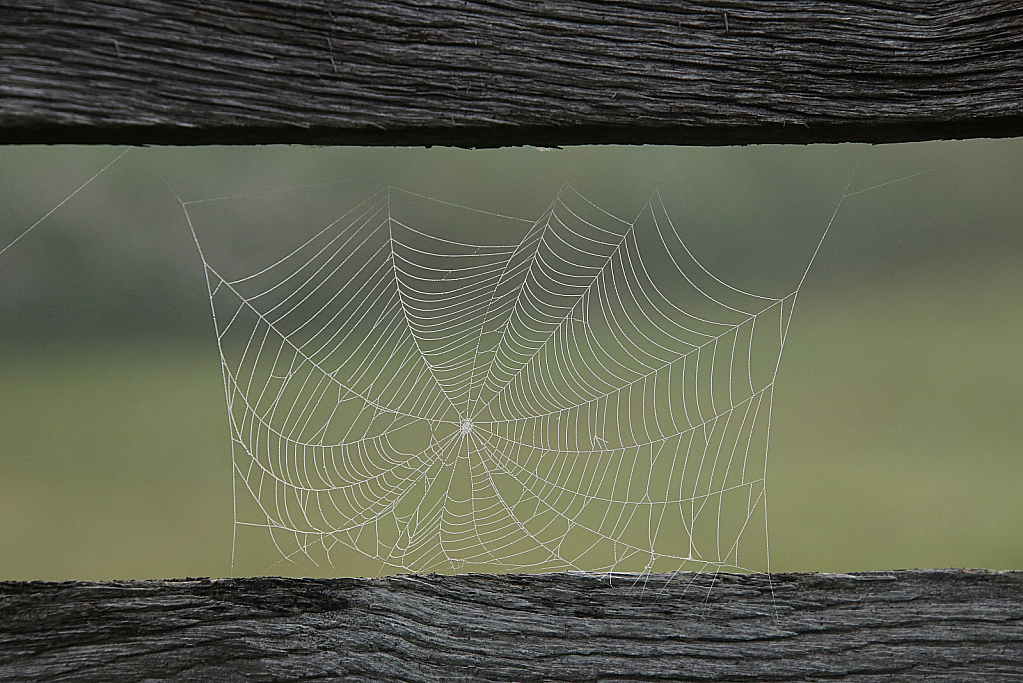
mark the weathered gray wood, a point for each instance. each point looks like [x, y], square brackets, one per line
[505, 72]
[908, 626]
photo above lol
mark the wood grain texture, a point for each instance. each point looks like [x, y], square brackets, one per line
[508, 72]
[908, 626]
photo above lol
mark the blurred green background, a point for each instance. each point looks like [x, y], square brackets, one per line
[896, 440]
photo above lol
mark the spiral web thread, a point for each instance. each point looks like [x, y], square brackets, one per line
[588, 398]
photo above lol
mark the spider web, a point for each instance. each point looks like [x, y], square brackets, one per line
[588, 397]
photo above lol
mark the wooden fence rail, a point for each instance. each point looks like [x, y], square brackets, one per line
[508, 72]
[938, 626]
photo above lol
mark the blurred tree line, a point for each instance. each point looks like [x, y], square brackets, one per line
[117, 261]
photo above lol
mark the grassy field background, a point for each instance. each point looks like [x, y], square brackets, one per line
[896, 440]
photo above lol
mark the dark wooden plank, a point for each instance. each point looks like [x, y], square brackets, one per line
[907, 625]
[508, 72]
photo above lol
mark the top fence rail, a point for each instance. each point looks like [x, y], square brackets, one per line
[508, 72]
